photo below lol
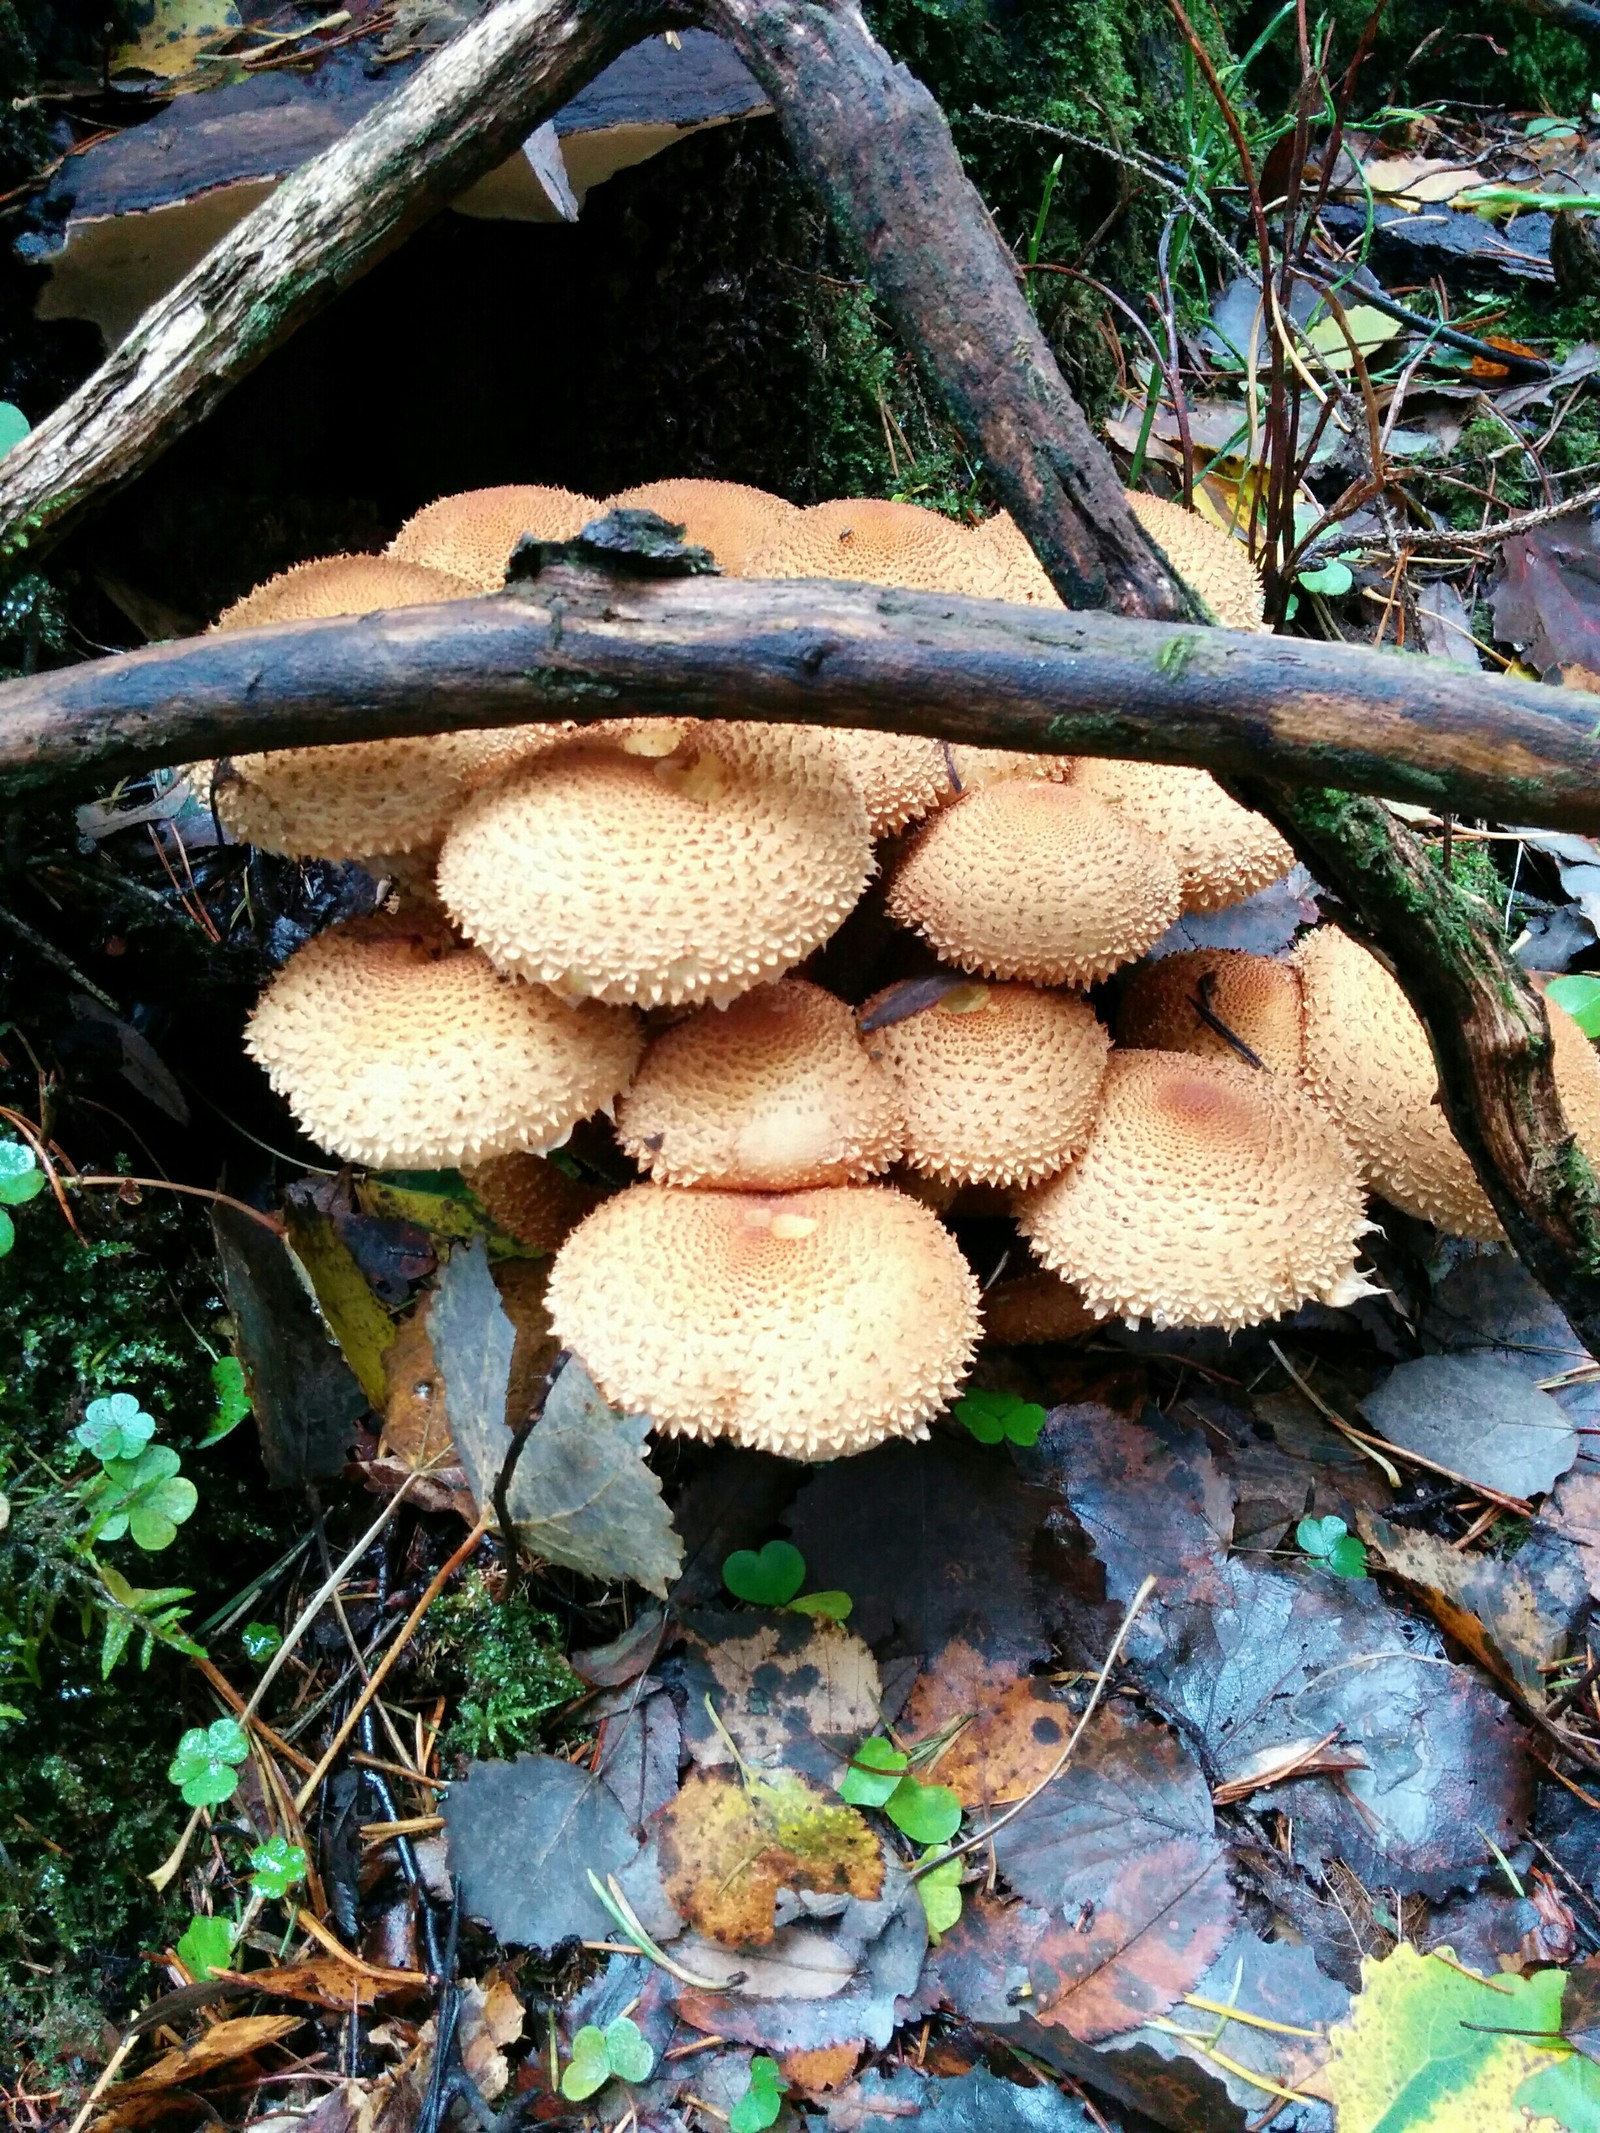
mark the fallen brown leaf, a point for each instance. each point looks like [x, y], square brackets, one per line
[727, 1849]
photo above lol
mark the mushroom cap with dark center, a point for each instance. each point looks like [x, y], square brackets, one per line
[770, 1094]
[395, 1046]
[1028, 879]
[810, 1324]
[1254, 996]
[730, 518]
[663, 879]
[998, 1084]
[1209, 1195]
[1223, 852]
[473, 533]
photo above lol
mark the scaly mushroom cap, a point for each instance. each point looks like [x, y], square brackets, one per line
[728, 517]
[866, 540]
[902, 776]
[975, 768]
[812, 1324]
[1577, 1071]
[362, 796]
[1367, 1061]
[998, 1083]
[394, 1045]
[474, 533]
[1213, 562]
[1257, 998]
[1210, 1194]
[532, 1199]
[1223, 852]
[1027, 879]
[669, 879]
[771, 1094]
[1020, 575]
[1031, 1309]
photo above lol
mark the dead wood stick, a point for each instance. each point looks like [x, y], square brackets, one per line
[457, 117]
[578, 643]
[875, 145]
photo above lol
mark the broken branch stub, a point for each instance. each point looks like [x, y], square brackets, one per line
[458, 117]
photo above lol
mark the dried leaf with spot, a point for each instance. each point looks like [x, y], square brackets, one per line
[727, 1849]
[792, 1691]
[1012, 1729]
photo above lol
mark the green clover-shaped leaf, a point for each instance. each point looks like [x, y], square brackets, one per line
[1000, 1417]
[823, 1606]
[145, 1498]
[1330, 1542]
[761, 2102]
[206, 1945]
[203, 1768]
[927, 1814]
[116, 1427]
[589, 2067]
[8, 1233]
[631, 2058]
[276, 1867]
[260, 1640]
[770, 1579]
[233, 1399]
[873, 1774]
[940, 1890]
[21, 1179]
[1333, 580]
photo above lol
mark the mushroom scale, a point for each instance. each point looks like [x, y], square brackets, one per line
[395, 1046]
[1020, 577]
[531, 1198]
[998, 1084]
[1028, 879]
[1032, 1309]
[474, 532]
[974, 768]
[730, 518]
[1213, 562]
[358, 797]
[1209, 1195]
[872, 542]
[902, 776]
[1222, 851]
[773, 1093]
[811, 1324]
[661, 879]
[1255, 996]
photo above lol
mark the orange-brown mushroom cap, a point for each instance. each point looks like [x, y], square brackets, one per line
[1210, 1194]
[1254, 996]
[773, 1093]
[532, 1199]
[1020, 577]
[998, 1084]
[1027, 879]
[473, 533]
[1223, 852]
[867, 540]
[1035, 1308]
[728, 517]
[902, 776]
[811, 1324]
[663, 879]
[1213, 562]
[394, 1045]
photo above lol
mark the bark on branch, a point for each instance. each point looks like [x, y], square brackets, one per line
[458, 116]
[581, 643]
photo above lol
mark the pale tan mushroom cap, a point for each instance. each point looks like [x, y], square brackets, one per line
[364, 796]
[774, 1093]
[1577, 1071]
[977, 767]
[1210, 1194]
[532, 1198]
[728, 517]
[1034, 1308]
[998, 1084]
[1367, 1061]
[1021, 577]
[812, 1324]
[395, 1046]
[1222, 851]
[671, 879]
[1258, 999]
[474, 532]
[1213, 562]
[902, 776]
[1027, 879]
[867, 540]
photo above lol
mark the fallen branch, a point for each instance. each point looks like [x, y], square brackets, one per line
[875, 145]
[456, 118]
[578, 643]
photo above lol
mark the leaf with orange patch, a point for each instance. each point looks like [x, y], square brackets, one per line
[1013, 1735]
[726, 1849]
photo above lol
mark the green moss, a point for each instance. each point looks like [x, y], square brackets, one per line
[503, 1658]
[1473, 869]
[1486, 54]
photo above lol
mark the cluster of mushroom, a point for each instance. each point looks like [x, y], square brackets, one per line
[613, 919]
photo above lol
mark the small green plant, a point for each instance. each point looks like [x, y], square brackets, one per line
[761, 2102]
[617, 2052]
[1332, 579]
[21, 1180]
[879, 1775]
[149, 1612]
[773, 1576]
[940, 1890]
[1000, 1417]
[116, 1427]
[506, 1657]
[145, 1498]
[260, 1640]
[233, 1398]
[276, 1867]
[205, 1768]
[207, 1945]
[1332, 1546]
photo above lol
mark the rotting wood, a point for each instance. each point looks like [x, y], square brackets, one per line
[581, 643]
[877, 148]
[459, 116]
